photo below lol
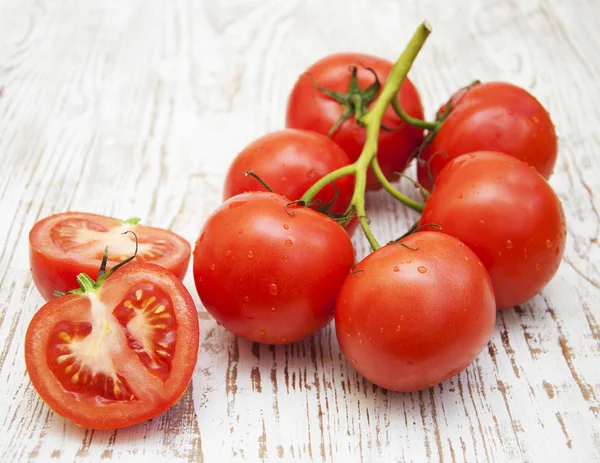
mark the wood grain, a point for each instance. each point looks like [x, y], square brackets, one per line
[136, 108]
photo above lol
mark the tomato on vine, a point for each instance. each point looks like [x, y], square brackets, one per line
[337, 91]
[493, 116]
[415, 313]
[288, 162]
[269, 270]
[508, 214]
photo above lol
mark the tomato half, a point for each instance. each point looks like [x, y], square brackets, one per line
[507, 214]
[64, 245]
[270, 272]
[310, 109]
[493, 116]
[409, 317]
[290, 161]
[118, 355]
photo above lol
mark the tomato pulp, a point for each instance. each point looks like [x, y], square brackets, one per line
[118, 355]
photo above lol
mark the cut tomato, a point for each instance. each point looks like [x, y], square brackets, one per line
[64, 245]
[117, 354]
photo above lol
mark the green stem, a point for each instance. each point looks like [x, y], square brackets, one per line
[372, 122]
[433, 125]
[414, 205]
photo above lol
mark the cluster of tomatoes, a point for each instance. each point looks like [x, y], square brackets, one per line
[275, 262]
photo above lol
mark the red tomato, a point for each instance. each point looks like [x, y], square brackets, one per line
[310, 109]
[267, 274]
[117, 355]
[64, 245]
[410, 318]
[290, 161]
[507, 214]
[494, 116]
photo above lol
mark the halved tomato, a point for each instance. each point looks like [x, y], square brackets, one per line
[116, 354]
[64, 245]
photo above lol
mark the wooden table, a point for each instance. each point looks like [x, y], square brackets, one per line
[135, 108]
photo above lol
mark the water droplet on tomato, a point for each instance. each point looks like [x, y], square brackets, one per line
[199, 279]
[456, 165]
[557, 251]
[548, 243]
[499, 253]
[284, 339]
[398, 329]
[273, 289]
[227, 253]
[396, 269]
[460, 196]
[262, 332]
[408, 261]
[250, 254]
[559, 235]
[246, 298]
[354, 362]
[202, 237]
[286, 226]
[273, 309]
[286, 258]
[422, 269]
[236, 204]
[360, 341]
[240, 231]
[212, 267]
[537, 266]
[509, 244]
[381, 329]
[349, 319]
[288, 243]
[535, 120]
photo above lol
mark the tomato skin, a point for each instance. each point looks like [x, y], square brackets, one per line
[290, 161]
[56, 269]
[508, 215]
[407, 319]
[269, 276]
[153, 396]
[310, 109]
[493, 116]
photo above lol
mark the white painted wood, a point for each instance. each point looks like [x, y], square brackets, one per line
[135, 108]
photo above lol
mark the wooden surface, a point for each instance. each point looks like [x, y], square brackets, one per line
[135, 108]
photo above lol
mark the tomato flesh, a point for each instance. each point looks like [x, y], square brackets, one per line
[117, 356]
[64, 245]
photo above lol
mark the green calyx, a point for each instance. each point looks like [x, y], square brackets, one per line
[87, 284]
[355, 101]
[132, 221]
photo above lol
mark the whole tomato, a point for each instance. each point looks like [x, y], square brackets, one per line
[290, 161]
[269, 271]
[311, 109]
[493, 116]
[507, 214]
[410, 316]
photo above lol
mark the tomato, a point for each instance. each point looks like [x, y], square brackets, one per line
[410, 318]
[64, 245]
[507, 214]
[270, 273]
[494, 116]
[115, 355]
[290, 161]
[310, 109]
